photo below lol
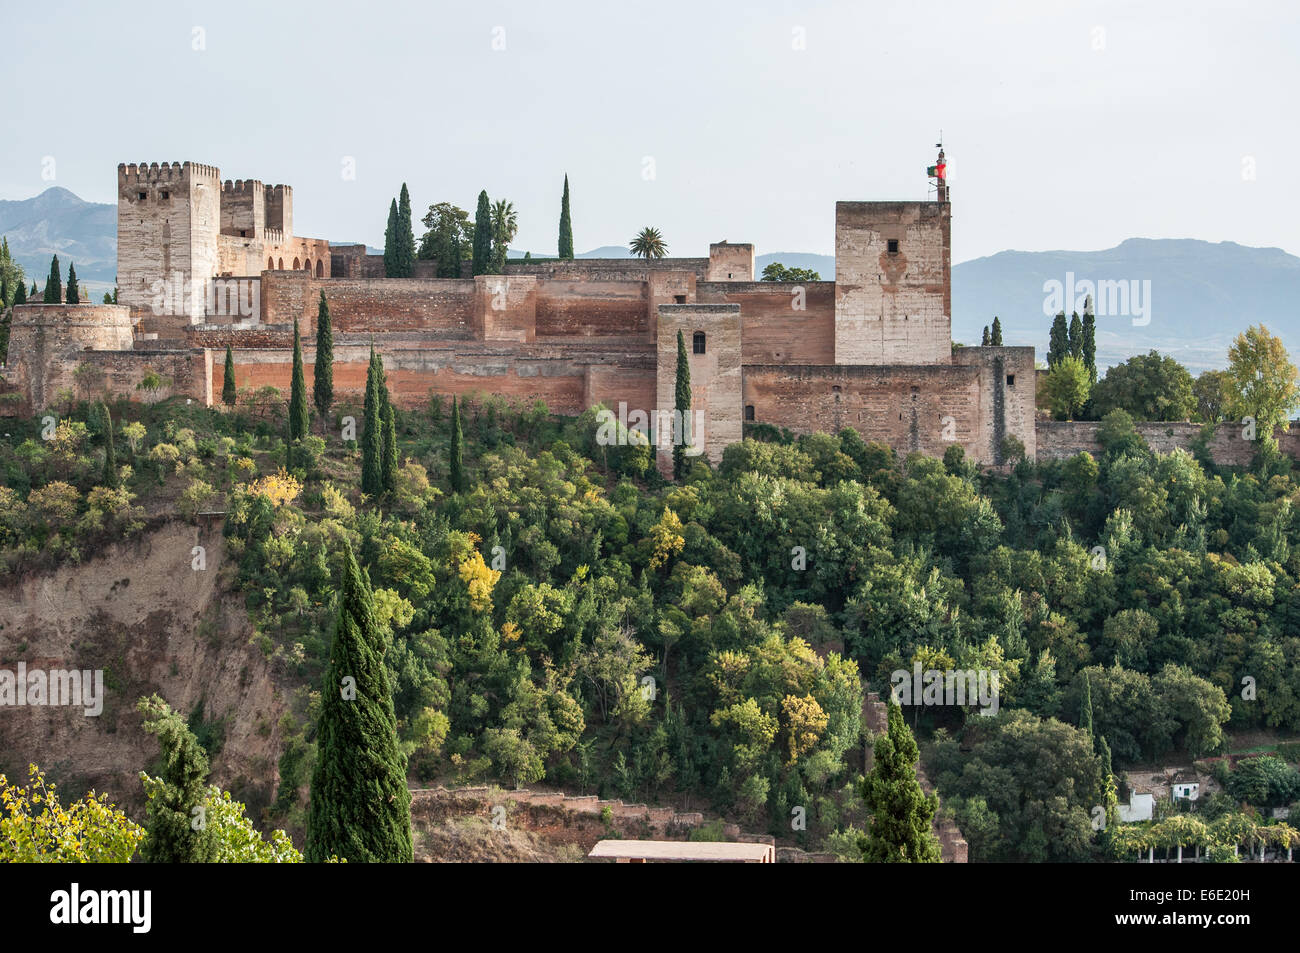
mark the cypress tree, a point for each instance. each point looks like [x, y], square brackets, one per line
[901, 812]
[1090, 343]
[371, 448]
[360, 807]
[35, 291]
[455, 451]
[995, 338]
[109, 477]
[323, 371]
[390, 242]
[299, 418]
[566, 224]
[405, 237]
[170, 834]
[20, 293]
[1075, 336]
[984, 340]
[482, 261]
[288, 444]
[390, 447]
[228, 393]
[54, 284]
[1085, 706]
[74, 293]
[682, 404]
[1058, 345]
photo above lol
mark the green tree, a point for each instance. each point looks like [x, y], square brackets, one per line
[505, 224]
[455, 451]
[175, 829]
[995, 336]
[649, 244]
[228, 394]
[299, 418]
[1090, 342]
[1075, 336]
[323, 369]
[35, 827]
[566, 224]
[682, 406]
[1148, 387]
[1058, 346]
[1067, 387]
[20, 295]
[74, 292]
[984, 338]
[1213, 393]
[482, 261]
[372, 479]
[775, 271]
[901, 813]
[1263, 381]
[449, 235]
[391, 242]
[54, 284]
[360, 807]
[404, 254]
[1085, 707]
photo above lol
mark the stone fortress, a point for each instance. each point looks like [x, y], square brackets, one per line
[203, 264]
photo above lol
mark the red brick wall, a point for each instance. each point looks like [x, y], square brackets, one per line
[567, 308]
[774, 332]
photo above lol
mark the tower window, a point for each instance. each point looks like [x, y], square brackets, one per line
[165, 195]
[749, 411]
[1011, 380]
[142, 195]
[698, 342]
[893, 246]
[679, 299]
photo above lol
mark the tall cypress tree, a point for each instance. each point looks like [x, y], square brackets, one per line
[1058, 345]
[228, 393]
[566, 224]
[54, 284]
[1075, 336]
[482, 261]
[109, 477]
[404, 258]
[323, 370]
[371, 448]
[360, 807]
[74, 292]
[682, 404]
[455, 451]
[390, 447]
[20, 293]
[390, 242]
[984, 339]
[171, 837]
[1090, 343]
[299, 419]
[901, 812]
[995, 338]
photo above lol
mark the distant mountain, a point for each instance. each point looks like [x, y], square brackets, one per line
[57, 222]
[1201, 294]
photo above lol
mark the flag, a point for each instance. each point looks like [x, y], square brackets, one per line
[936, 171]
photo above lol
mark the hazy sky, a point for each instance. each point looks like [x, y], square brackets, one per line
[1067, 125]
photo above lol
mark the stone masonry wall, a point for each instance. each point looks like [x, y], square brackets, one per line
[715, 374]
[775, 330]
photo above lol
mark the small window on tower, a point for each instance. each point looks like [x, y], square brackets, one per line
[165, 195]
[893, 246]
[1011, 380]
[142, 196]
[749, 411]
[698, 342]
[679, 299]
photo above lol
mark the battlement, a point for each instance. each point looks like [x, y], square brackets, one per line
[274, 236]
[240, 187]
[144, 173]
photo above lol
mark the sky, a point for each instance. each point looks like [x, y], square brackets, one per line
[1067, 125]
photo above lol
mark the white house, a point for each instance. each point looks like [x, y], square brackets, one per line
[1140, 807]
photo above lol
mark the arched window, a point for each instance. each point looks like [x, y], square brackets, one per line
[320, 268]
[749, 411]
[699, 342]
[270, 264]
[281, 265]
[296, 264]
[307, 266]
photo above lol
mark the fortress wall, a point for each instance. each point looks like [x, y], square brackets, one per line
[1008, 384]
[571, 308]
[715, 374]
[505, 308]
[774, 332]
[903, 406]
[1061, 439]
[366, 304]
[606, 269]
[609, 384]
[48, 341]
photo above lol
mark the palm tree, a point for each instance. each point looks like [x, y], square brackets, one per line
[505, 223]
[649, 244]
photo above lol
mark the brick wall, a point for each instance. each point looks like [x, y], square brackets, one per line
[715, 374]
[571, 308]
[774, 332]
[1061, 439]
[48, 341]
[607, 269]
[728, 262]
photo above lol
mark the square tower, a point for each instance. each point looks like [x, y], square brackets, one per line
[711, 333]
[893, 283]
[168, 219]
